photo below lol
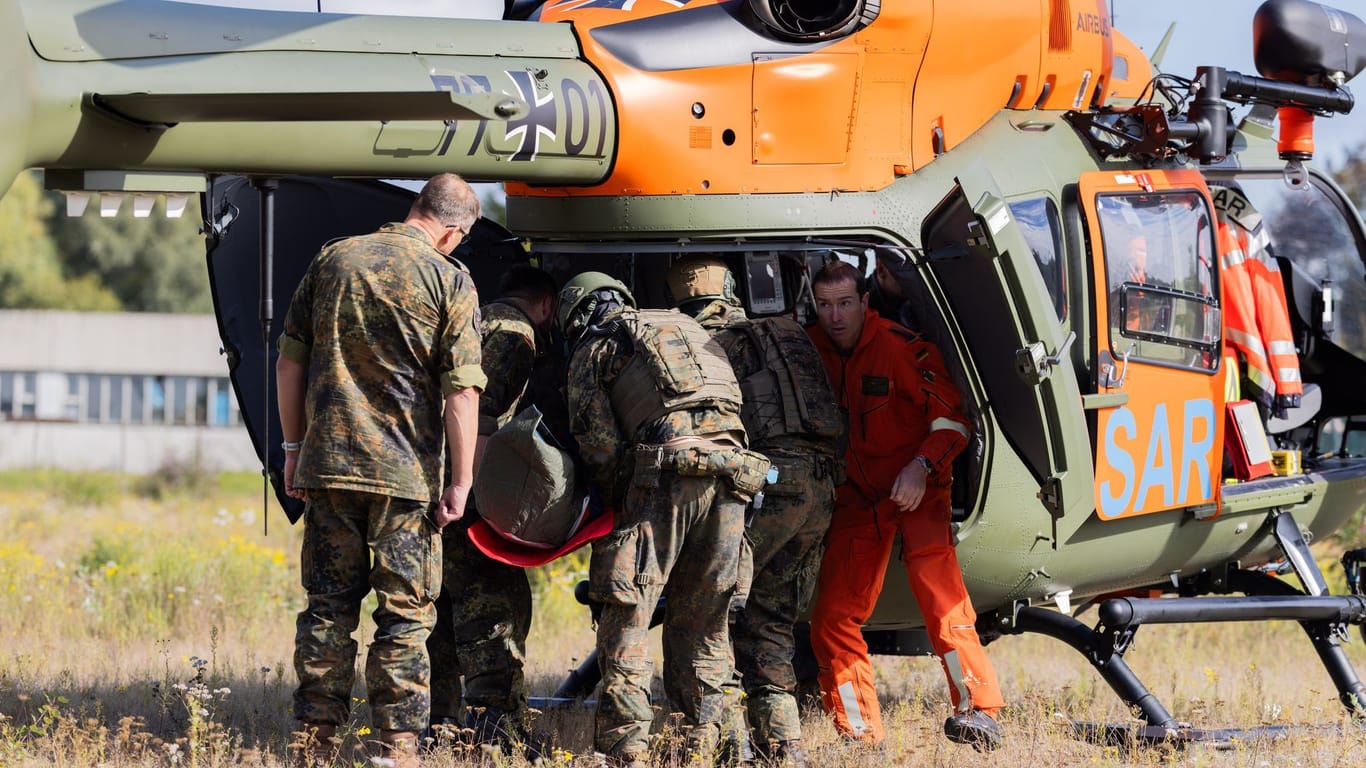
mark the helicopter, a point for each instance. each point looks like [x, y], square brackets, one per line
[1000, 195]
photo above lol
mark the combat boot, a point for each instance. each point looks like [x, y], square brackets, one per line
[315, 745]
[396, 749]
[974, 727]
[495, 727]
[790, 754]
[736, 749]
[624, 761]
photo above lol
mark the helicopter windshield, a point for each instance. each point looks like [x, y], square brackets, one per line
[1159, 257]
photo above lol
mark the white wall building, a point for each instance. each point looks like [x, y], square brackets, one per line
[116, 391]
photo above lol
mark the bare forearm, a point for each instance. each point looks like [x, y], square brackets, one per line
[462, 431]
[290, 383]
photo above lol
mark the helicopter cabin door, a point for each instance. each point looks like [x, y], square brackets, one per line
[982, 260]
[1159, 399]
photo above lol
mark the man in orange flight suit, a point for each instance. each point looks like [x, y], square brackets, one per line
[1256, 315]
[905, 428]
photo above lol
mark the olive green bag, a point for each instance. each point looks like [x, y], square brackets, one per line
[525, 488]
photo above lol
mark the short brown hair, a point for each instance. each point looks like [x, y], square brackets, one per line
[838, 272]
[448, 200]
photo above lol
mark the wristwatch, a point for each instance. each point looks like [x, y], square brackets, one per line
[926, 464]
[292, 447]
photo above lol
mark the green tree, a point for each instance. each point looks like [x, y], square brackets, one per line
[152, 264]
[31, 274]
[493, 202]
[1351, 175]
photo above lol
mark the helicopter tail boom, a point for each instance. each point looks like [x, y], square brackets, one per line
[150, 86]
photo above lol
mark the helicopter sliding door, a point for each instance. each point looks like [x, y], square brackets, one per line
[1159, 384]
[982, 261]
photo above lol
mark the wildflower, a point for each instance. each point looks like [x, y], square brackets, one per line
[364, 730]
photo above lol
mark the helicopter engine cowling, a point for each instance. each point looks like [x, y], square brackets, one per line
[808, 20]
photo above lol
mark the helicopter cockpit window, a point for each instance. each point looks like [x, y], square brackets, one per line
[1042, 227]
[1162, 284]
[1310, 227]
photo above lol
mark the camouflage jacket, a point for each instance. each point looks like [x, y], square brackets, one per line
[594, 366]
[386, 326]
[509, 353]
[719, 314]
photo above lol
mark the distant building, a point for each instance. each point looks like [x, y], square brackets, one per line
[117, 391]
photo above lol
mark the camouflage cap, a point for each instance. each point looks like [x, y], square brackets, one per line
[700, 277]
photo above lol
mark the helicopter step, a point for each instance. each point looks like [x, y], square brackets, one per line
[1323, 617]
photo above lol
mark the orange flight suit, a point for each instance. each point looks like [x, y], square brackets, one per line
[901, 404]
[1256, 314]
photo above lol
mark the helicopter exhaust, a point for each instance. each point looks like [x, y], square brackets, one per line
[814, 20]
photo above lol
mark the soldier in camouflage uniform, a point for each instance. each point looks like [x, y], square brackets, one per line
[790, 416]
[656, 412]
[484, 613]
[380, 351]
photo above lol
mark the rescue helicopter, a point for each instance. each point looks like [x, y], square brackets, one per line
[1004, 198]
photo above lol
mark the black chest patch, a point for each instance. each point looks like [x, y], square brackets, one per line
[876, 385]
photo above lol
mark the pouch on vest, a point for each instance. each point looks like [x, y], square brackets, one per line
[675, 366]
[746, 470]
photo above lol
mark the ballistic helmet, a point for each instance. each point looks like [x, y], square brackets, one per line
[581, 296]
[700, 277]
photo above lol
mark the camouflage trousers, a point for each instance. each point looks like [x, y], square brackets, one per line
[354, 542]
[682, 538]
[787, 537]
[482, 619]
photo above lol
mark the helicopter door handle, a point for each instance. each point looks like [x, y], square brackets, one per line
[1034, 366]
[1109, 369]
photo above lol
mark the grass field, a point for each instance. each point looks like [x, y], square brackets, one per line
[149, 622]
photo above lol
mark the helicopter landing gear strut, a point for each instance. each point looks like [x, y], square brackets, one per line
[1324, 617]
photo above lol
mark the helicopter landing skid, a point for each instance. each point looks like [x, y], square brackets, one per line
[1265, 597]
[1126, 736]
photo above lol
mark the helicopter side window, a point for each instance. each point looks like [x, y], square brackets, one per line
[1042, 228]
[1162, 285]
[1311, 227]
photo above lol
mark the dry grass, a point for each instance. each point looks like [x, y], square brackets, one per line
[143, 629]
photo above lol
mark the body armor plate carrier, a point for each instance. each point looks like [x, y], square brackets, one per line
[788, 395]
[676, 366]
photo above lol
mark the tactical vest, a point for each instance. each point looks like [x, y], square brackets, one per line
[675, 366]
[789, 394]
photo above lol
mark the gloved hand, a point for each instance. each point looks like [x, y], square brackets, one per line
[1283, 404]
